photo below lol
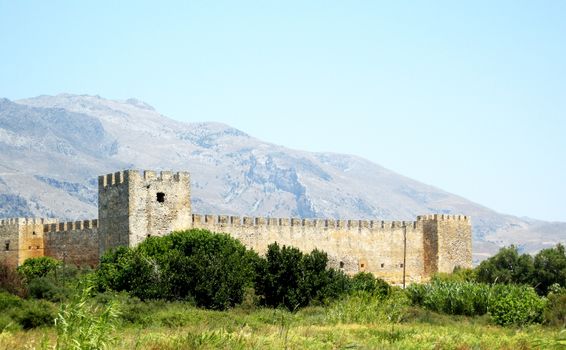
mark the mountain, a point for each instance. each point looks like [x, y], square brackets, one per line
[52, 148]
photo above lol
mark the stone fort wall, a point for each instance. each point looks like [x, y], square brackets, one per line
[360, 245]
[21, 238]
[73, 242]
[133, 206]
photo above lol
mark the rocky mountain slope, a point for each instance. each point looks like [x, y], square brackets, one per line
[53, 147]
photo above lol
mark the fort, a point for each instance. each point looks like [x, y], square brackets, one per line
[133, 206]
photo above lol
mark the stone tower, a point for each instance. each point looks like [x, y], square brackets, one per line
[447, 242]
[132, 206]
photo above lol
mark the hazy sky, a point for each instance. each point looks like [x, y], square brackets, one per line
[468, 96]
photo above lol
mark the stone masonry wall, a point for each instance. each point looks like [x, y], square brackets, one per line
[454, 242]
[9, 242]
[73, 242]
[447, 242]
[159, 204]
[31, 238]
[352, 245]
[133, 206]
[113, 211]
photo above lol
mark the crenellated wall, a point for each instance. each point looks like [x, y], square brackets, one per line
[134, 205]
[73, 242]
[352, 245]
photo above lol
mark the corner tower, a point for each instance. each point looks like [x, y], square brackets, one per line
[447, 242]
[132, 206]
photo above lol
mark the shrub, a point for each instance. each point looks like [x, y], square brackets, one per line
[212, 269]
[290, 278]
[47, 288]
[37, 267]
[555, 312]
[8, 301]
[11, 281]
[459, 275]
[367, 282]
[34, 313]
[514, 304]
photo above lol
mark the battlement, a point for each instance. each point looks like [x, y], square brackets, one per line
[70, 226]
[444, 217]
[246, 221]
[134, 205]
[127, 176]
[24, 221]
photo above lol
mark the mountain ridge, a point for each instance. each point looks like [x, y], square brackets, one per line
[55, 171]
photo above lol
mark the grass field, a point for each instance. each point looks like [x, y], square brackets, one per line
[351, 323]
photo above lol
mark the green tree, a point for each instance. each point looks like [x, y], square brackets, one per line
[38, 267]
[507, 266]
[549, 268]
[212, 269]
[367, 282]
[293, 279]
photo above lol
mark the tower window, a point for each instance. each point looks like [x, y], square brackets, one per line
[401, 265]
[341, 264]
[160, 197]
[362, 265]
[382, 265]
[7, 246]
[33, 233]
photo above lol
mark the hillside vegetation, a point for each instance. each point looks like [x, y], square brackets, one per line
[200, 290]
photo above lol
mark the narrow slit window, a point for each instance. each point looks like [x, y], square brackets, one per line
[33, 233]
[382, 265]
[160, 197]
[7, 246]
[401, 265]
[341, 264]
[362, 265]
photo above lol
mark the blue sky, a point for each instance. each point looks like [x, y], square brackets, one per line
[468, 96]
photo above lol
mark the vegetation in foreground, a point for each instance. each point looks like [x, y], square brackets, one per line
[195, 289]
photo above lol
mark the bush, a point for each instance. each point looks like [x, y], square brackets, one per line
[459, 275]
[34, 313]
[46, 288]
[38, 267]
[11, 281]
[513, 304]
[555, 312]
[287, 277]
[9, 301]
[212, 269]
[367, 282]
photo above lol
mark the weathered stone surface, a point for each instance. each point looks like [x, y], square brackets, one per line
[73, 242]
[133, 206]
